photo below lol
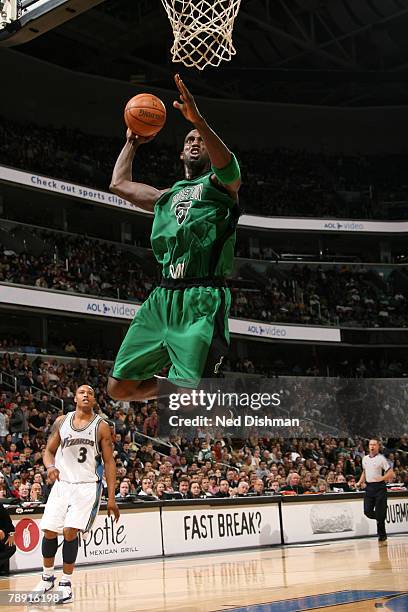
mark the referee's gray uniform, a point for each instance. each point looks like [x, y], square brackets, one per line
[375, 500]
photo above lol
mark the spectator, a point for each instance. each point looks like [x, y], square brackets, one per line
[151, 425]
[257, 487]
[12, 453]
[195, 491]
[159, 489]
[124, 491]
[36, 492]
[293, 484]
[3, 427]
[24, 492]
[146, 488]
[173, 458]
[17, 423]
[274, 486]
[224, 489]
[242, 489]
[184, 485]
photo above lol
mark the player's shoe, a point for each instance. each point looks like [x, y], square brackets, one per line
[46, 584]
[66, 595]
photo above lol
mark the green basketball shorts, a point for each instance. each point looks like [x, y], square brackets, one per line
[185, 328]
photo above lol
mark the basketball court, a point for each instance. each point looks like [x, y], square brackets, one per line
[350, 575]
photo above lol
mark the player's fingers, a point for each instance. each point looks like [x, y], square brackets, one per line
[185, 90]
[177, 105]
[187, 94]
[178, 81]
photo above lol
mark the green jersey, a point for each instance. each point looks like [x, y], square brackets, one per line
[194, 230]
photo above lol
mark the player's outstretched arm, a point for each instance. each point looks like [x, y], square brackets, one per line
[105, 444]
[122, 185]
[224, 164]
[53, 443]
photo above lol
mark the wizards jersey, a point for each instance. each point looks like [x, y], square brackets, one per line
[78, 455]
[193, 233]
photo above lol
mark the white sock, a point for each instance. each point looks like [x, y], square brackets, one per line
[65, 578]
[48, 571]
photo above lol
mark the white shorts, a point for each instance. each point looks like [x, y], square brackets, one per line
[72, 505]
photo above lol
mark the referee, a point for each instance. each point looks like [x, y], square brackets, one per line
[376, 471]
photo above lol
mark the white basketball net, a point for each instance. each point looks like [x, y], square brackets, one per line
[202, 30]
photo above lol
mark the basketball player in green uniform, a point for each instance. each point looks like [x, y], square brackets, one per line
[184, 322]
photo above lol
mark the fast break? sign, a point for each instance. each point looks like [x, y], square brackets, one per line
[203, 528]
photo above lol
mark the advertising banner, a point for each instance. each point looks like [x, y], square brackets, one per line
[67, 302]
[104, 198]
[332, 520]
[36, 181]
[202, 528]
[137, 535]
[284, 332]
[88, 305]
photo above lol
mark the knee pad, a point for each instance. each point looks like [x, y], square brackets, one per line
[70, 550]
[49, 548]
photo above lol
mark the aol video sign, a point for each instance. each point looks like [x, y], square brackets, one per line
[111, 309]
[347, 226]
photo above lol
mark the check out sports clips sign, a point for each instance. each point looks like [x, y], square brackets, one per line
[103, 198]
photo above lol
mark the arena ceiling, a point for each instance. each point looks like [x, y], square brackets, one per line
[324, 52]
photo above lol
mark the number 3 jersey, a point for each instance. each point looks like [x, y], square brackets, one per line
[78, 457]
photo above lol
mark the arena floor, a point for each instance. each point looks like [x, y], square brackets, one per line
[358, 575]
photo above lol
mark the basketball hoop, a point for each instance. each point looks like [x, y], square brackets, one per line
[202, 31]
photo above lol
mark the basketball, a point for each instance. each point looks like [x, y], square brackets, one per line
[145, 114]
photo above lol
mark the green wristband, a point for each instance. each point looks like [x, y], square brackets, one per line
[230, 173]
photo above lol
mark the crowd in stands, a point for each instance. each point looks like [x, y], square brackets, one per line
[68, 263]
[209, 464]
[382, 366]
[343, 368]
[277, 182]
[346, 295]
[199, 467]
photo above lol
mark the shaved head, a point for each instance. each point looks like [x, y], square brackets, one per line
[87, 387]
[85, 397]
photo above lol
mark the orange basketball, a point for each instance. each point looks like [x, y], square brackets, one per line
[145, 114]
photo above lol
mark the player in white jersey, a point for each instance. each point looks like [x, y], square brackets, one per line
[73, 458]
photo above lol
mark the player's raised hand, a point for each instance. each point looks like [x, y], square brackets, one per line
[113, 509]
[135, 139]
[187, 106]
